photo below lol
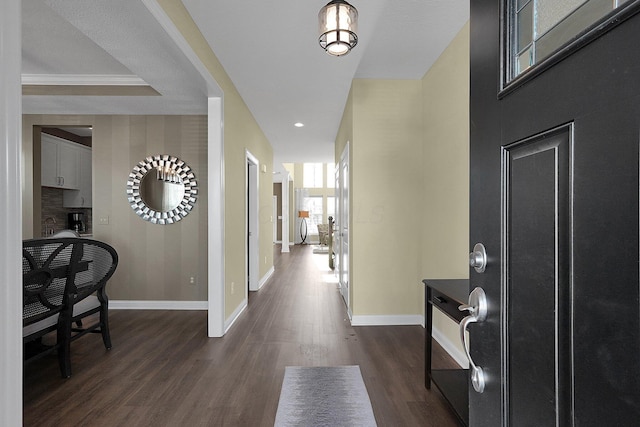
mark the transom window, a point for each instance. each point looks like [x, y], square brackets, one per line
[539, 28]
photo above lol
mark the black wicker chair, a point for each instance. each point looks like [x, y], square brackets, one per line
[64, 281]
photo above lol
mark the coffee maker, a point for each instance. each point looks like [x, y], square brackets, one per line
[76, 222]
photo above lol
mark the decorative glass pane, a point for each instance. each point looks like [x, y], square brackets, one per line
[550, 12]
[525, 26]
[571, 26]
[525, 60]
[542, 27]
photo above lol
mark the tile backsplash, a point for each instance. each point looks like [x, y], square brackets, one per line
[52, 208]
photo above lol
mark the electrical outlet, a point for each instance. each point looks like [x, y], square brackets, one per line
[104, 220]
[265, 259]
[192, 280]
[233, 288]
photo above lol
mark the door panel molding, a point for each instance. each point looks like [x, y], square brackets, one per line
[537, 174]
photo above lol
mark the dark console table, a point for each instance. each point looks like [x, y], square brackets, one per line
[446, 295]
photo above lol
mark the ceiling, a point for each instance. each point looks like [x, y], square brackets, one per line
[114, 57]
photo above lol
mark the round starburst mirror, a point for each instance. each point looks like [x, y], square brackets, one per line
[162, 189]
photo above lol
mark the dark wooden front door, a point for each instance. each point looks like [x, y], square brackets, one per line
[554, 199]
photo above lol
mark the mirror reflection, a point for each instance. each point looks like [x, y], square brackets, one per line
[161, 194]
[162, 189]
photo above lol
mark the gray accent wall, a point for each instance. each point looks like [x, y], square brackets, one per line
[157, 262]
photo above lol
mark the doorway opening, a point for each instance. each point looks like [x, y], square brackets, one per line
[252, 249]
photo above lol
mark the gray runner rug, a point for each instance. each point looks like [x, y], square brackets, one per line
[324, 396]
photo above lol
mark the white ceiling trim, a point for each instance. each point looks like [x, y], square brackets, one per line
[126, 31]
[82, 80]
[213, 89]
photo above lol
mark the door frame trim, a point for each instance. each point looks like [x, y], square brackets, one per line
[11, 225]
[345, 290]
[252, 190]
[215, 220]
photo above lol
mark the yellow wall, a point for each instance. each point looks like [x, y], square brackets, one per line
[445, 231]
[385, 188]
[409, 151]
[446, 162]
[241, 132]
[156, 262]
[345, 131]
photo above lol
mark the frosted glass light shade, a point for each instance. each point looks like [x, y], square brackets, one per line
[338, 23]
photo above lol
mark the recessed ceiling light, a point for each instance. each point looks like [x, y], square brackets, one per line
[298, 125]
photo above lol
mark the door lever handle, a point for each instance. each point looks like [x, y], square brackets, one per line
[466, 307]
[477, 309]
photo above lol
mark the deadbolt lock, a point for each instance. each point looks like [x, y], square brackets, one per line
[478, 258]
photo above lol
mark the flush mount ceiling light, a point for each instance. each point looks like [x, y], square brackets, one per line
[298, 125]
[338, 23]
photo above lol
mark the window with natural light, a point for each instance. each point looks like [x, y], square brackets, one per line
[312, 175]
[331, 207]
[314, 205]
[331, 175]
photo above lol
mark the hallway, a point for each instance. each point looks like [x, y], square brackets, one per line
[164, 371]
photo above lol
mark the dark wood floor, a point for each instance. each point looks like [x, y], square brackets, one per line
[164, 371]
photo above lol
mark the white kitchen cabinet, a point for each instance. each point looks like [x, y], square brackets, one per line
[59, 163]
[81, 198]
